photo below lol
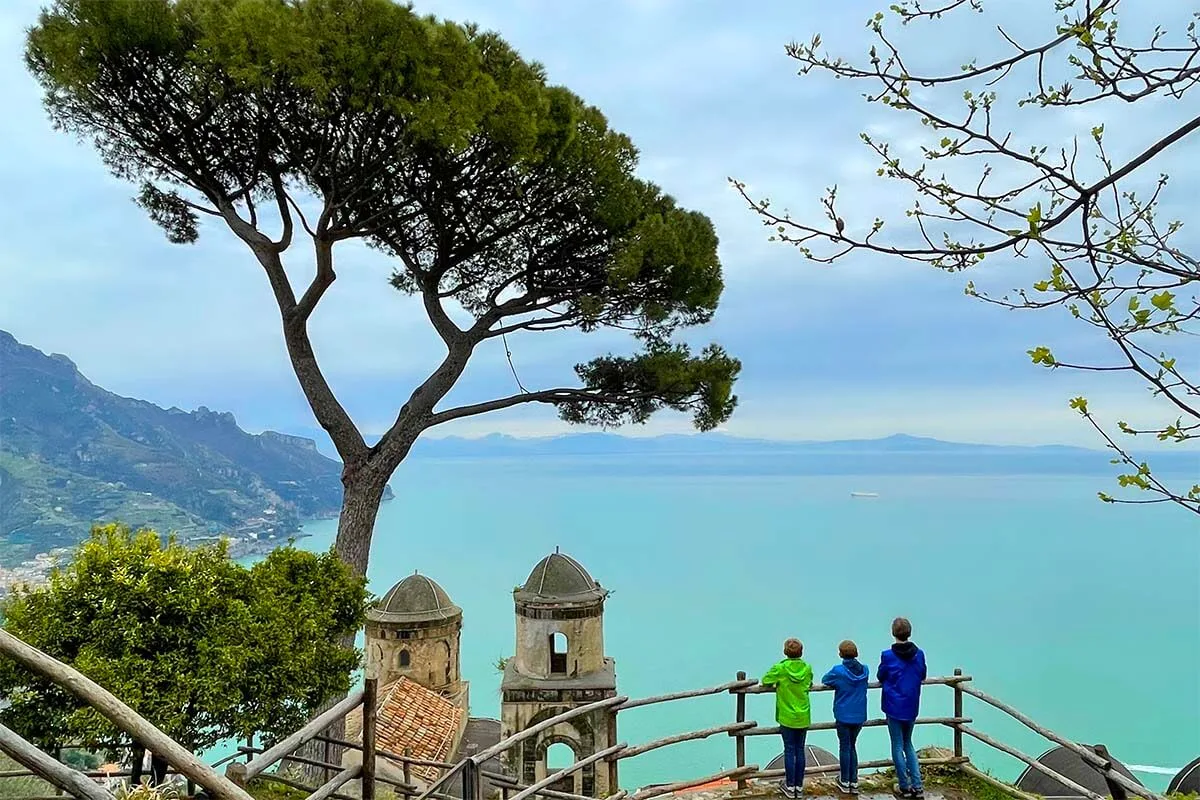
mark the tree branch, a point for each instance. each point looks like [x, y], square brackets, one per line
[321, 281]
[553, 396]
[285, 214]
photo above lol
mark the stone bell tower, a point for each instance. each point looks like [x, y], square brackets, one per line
[414, 632]
[559, 665]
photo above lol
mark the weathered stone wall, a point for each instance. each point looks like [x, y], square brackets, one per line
[585, 644]
[432, 654]
[584, 735]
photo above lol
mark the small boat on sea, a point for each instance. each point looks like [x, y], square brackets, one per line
[864, 494]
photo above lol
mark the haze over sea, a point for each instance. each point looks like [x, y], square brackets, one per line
[1086, 616]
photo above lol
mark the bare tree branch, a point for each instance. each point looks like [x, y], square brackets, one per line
[1123, 273]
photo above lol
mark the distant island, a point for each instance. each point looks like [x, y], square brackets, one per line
[719, 454]
[713, 443]
[72, 454]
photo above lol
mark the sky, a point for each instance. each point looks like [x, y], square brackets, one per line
[866, 348]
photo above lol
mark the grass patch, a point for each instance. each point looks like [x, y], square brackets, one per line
[967, 785]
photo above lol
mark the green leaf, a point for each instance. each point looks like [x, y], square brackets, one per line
[1163, 301]
[1034, 218]
[1042, 355]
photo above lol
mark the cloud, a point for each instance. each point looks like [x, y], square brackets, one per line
[866, 347]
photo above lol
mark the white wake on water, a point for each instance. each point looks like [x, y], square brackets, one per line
[1152, 769]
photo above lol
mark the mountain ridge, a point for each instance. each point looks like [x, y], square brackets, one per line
[73, 453]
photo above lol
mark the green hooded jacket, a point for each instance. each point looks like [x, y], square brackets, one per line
[792, 678]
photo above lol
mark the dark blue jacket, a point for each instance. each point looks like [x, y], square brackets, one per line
[901, 670]
[849, 681]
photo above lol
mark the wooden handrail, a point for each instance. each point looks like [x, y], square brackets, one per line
[277, 778]
[948, 680]
[457, 768]
[666, 698]
[871, 723]
[671, 788]
[254, 767]
[520, 736]
[881, 764]
[1087, 755]
[341, 779]
[120, 715]
[48, 768]
[685, 737]
[508, 782]
[1082, 791]
[390, 756]
[80, 785]
[553, 778]
[1009, 789]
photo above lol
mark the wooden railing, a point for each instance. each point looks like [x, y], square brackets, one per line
[742, 728]
[126, 719]
[470, 769]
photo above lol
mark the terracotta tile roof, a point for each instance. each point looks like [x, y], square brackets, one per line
[414, 718]
[720, 783]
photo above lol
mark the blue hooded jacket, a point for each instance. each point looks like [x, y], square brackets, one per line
[901, 670]
[849, 681]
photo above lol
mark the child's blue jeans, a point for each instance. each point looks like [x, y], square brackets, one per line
[904, 756]
[847, 751]
[793, 755]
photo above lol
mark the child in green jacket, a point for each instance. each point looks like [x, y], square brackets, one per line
[792, 678]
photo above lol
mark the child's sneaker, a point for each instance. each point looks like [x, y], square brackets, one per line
[844, 787]
[854, 787]
[901, 792]
[916, 794]
[788, 791]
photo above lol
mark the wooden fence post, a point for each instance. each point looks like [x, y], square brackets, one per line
[1115, 790]
[740, 716]
[138, 756]
[958, 712]
[58, 757]
[472, 787]
[370, 691]
[408, 769]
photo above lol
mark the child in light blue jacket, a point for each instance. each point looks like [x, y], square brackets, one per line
[849, 681]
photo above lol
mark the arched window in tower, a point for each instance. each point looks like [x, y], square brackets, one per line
[558, 653]
[560, 756]
[449, 661]
[405, 658]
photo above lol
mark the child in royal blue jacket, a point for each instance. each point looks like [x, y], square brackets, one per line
[849, 681]
[901, 671]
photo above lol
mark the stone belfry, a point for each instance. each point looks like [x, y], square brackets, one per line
[559, 664]
[414, 632]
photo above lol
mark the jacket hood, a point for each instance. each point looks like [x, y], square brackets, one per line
[795, 668]
[856, 670]
[904, 650]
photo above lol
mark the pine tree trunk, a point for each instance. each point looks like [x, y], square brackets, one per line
[356, 524]
[362, 496]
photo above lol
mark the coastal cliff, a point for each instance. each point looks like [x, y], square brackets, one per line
[73, 454]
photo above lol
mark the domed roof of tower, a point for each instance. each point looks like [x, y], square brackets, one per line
[813, 756]
[1071, 765]
[1187, 781]
[558, 578]
[414, 599]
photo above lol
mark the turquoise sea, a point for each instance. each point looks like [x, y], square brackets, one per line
[1085, 616]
